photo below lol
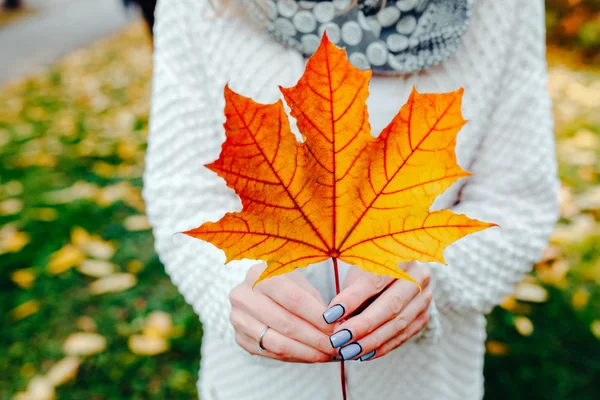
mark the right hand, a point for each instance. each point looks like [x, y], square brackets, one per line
[293, 310]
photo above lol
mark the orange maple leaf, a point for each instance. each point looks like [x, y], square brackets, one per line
[341, 193]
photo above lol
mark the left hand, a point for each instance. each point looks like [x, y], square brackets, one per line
[397, 313]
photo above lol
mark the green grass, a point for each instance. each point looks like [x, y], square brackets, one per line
[76, 124]
[72, 142]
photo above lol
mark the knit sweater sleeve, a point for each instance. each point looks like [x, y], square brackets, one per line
[514, 182]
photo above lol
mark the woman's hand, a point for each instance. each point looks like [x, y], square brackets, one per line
[291, 307]
[396, 315]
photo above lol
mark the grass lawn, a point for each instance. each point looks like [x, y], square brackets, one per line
[88, 311]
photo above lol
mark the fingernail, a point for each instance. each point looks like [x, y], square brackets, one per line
[340, 338]
[333, 313]
[367, 356]
[350, 351]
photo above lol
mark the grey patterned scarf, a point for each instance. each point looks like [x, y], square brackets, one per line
[402, 37]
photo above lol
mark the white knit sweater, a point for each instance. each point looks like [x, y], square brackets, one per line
[508, 145]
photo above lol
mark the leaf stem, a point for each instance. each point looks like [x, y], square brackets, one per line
[337, 291]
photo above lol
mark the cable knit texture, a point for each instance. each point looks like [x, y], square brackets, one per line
[508, 145]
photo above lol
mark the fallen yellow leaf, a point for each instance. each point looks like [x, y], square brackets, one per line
[550, 253]
[25, 310]
[586, 139]
[40, 388]
[580, 298]
[78, 191]
[23, 277]
[21, 396]
[96, 268]
[99, 248]
[113, 283]
[135, 266]
[127, 150]
[11, 239]
[13, 188]
[86, 323]
[136, 223]
[595, 328]
[531, 292]
[555, 274]
[84, 344]
[523, 325]
[104, 169]
[44, 214]
[63, 371]
[509, 303]
[589, 200]
[147, 345]
[64, 259]
[79, 236]
[496, 348]
[111, 194]
[11, 206]
[158, 324]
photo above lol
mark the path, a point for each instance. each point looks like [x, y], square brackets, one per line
[57, 28]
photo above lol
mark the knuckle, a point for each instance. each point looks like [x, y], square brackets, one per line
[384, 348]
[378, 282]
[233, 319]
[400, 323]
[366, 325]
[426, 276]
[425, 319]
[280, 349]
[378, 341]
[238, 321]
[235, 296]
[324, 345]
[239, 339]
[316, 356]
[294, 299]
[396, 303]
[286, 327]
[428, 294]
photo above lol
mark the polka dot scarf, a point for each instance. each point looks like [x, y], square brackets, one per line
[402, 37]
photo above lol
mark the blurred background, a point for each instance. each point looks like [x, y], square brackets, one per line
[87, 310]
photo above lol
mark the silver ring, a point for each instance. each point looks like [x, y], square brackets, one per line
[260, 340]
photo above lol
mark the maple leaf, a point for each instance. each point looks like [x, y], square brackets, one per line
[341, 193]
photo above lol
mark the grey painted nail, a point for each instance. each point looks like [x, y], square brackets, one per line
[350, 351]
[367, 356]
[340, 338]
[333, 313]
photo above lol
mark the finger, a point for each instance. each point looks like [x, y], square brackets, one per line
[386, 307]
[295, 299]
[305, 284]
[276, 345]
[270, 313]
[396, 327]
[415, 327]
[359, 286]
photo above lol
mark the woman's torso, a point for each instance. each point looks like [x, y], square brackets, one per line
[239, 53]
